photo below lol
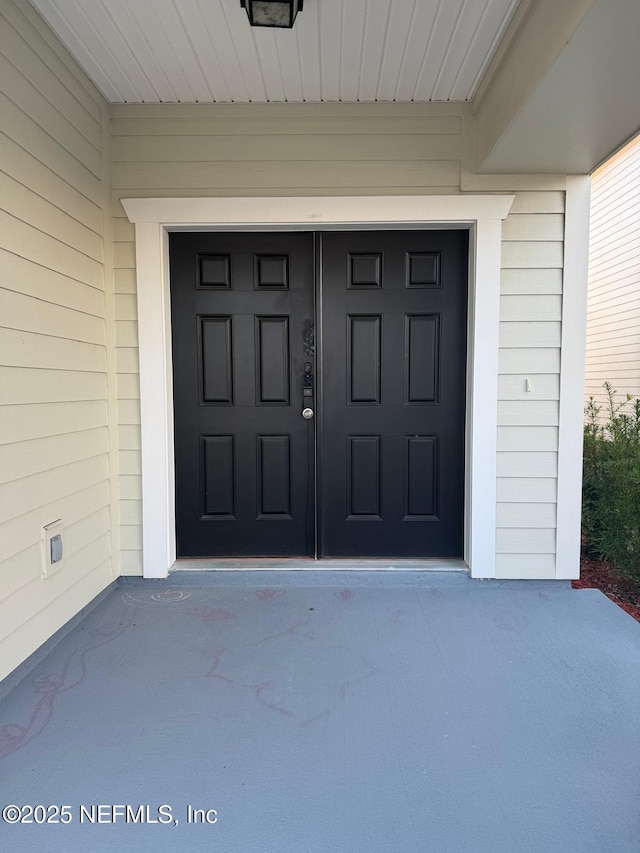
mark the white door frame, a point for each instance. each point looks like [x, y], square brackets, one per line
[155, 217]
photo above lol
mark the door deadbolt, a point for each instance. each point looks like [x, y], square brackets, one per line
[307, 414]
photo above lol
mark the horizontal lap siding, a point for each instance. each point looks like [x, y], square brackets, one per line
[281, 150]
[613, 308]
[54, 441]
[529, 385]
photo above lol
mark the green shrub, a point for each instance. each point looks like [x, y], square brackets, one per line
[611, 482]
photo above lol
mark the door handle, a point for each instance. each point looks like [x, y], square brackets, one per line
[307, 388]
[307, 414]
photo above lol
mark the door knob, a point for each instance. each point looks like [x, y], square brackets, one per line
[307, 414]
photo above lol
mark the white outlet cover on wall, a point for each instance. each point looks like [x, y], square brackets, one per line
[52, 548]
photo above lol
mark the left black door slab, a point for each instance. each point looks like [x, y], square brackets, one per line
[242, 306]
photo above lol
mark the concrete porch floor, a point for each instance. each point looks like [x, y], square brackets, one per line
[334, 713]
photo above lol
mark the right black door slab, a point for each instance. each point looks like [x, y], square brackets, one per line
[394, 320]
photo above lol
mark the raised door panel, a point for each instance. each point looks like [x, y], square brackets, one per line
[273, 359]
[364, 499]
[274, 476]
[421, 477]
[422, 358]
[364, 343]
[218, 476]
[215, 358]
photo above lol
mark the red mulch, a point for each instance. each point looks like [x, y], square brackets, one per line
[601, 575]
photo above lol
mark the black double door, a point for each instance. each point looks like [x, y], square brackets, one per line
[319, 393]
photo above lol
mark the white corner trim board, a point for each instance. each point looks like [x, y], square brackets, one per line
[572, 371]
[155, 217]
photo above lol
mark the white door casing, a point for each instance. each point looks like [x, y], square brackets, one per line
[155, 217]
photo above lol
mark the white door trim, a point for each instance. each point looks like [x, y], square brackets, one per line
[155, 217]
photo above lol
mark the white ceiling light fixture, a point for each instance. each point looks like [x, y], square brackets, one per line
[272, 13]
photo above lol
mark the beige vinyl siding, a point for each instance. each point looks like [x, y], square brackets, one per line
[340, 149]
[613, 307]
[530, 339]
[54, 425]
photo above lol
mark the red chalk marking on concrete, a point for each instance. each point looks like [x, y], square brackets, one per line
[212, 614]
[266, 594]
[14, 736]
[218, 654]
[225, 660]
[344, 594]
[399, 617]
[292, 630]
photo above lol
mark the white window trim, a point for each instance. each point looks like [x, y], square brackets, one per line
[155, 217]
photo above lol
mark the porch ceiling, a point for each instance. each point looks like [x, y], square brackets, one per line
[339, 50]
